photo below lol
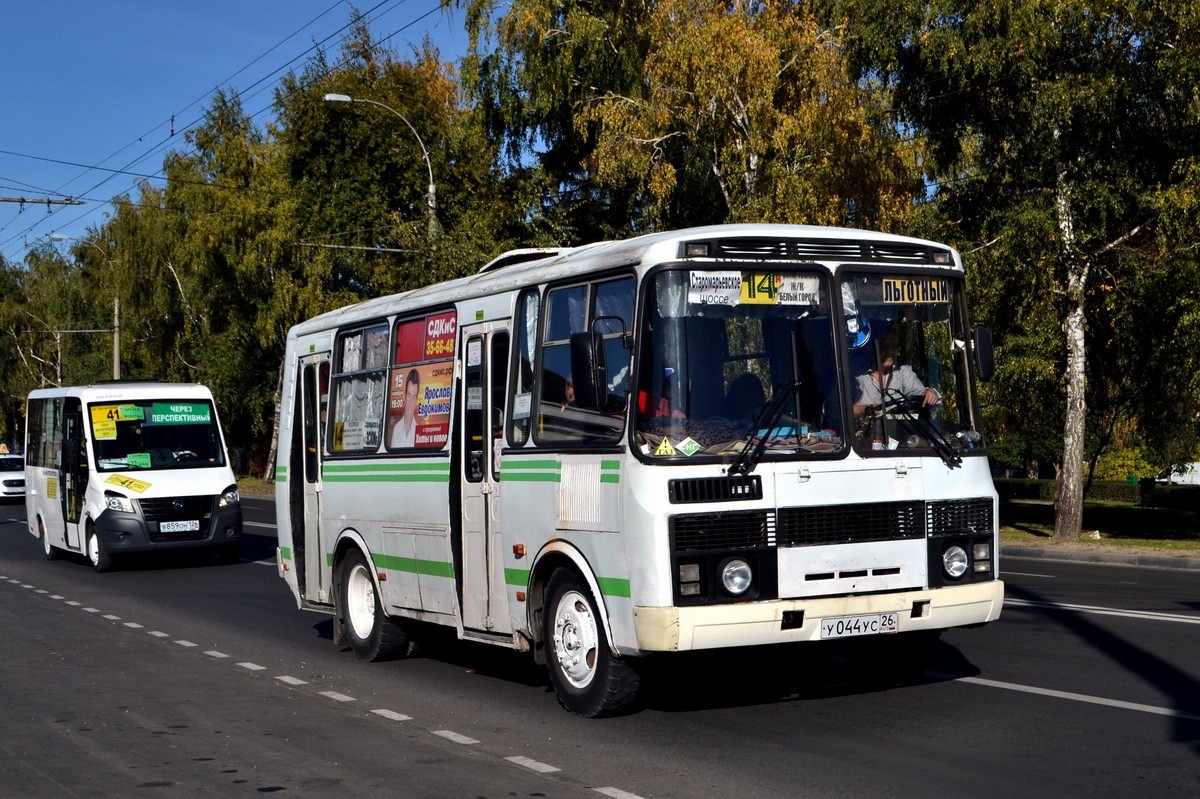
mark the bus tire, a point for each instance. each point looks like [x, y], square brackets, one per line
[50, 551]
[373, 635]
[97, 555]
[588, 680]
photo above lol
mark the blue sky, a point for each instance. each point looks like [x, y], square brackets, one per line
[96, 82]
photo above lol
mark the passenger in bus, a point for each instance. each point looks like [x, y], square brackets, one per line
[744, 399]
[888, 376]
[404, 433]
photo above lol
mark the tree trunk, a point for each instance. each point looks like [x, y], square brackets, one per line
[1068, 507]
[269, 470]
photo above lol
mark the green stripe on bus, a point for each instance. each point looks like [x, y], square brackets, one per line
[432, 568]
[610, 465]
[529, 477]
[285, 553]
[516, 577]
[519, 463]
[387, 478]
[610, 478]
[613, 586]
[424, 466]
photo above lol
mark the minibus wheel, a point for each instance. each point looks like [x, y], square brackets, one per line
[49, 550]
[588, 680]
[373, 634]
[98, 556]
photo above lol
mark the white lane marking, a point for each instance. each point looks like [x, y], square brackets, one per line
[1007, 573]
[292, 680]
[450, 735]
[91, 610]
[41, 591]
[258, 524]
[111, 617]
[55, 596]
[73, 603]
[1093, 700]
[14, 582]
[336, 697]
[212, 653]
[541, 768]
[133, 625]
[26, 585]
[617, 793]
[1148, 615]
[158, 634]
[186, 643]
[391, 714]
[270, 563]
[252, 666]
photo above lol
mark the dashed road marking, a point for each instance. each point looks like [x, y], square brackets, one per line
[55, 596]
[1092, 700]
[212, 653]
[617, 793]
[252, 666]
[73, 603]
[111, 617]
[41, 591]
[91, 610]
[291, 680]
[158, 634]
[450, 735]
[133, 625]
[26, 585]
[1147, 615]
[336, 697]
[186, 643]
[541, 768]
[390, 714]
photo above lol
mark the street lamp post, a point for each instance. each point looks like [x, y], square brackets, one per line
[116, 328]
[431, 194]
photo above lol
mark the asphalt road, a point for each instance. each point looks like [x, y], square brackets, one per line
[183, 677]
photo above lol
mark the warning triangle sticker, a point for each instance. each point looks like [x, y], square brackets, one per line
[665, 448]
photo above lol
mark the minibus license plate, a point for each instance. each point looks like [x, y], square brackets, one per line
[179, 527]
[849, 626]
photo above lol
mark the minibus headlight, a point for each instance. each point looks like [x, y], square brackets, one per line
[230, 497]
[118, 503]
[954, 561]
[736, 576]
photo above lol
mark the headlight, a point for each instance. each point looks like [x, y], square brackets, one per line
[118, 503]
[736, 576]
[230, 497]
[954, 561]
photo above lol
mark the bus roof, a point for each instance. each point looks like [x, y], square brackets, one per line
[126, 389]
[745, 242]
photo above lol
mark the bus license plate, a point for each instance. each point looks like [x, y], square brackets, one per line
[849, 626]
[179, 527]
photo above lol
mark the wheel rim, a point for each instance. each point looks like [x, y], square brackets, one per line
[93, 545]
[360, 601]
[576, 639]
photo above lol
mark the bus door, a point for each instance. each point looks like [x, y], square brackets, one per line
[73, 474]
[314, 575]
[485, 378]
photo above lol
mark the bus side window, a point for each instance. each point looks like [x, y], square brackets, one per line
[521, 400]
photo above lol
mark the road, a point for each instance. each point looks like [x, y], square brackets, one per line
[183, 677]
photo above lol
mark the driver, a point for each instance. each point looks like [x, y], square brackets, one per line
[886, 375]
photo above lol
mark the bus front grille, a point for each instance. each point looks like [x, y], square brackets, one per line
[177, 509]
[713, 532]
[960, 517]
[851, 524]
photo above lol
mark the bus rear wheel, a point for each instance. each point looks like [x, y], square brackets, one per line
[50, 551]
[588, 680]
[373, 635]
[97, 555]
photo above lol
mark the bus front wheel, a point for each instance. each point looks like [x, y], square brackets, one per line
[372, 634]
[588, 680]
[98, 556]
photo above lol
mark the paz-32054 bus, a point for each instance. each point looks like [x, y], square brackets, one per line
[706, 438]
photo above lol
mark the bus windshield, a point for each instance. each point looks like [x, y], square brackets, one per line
[720, 345]
[155, 434]
[909, 369]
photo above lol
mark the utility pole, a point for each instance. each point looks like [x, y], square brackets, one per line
[116, 337]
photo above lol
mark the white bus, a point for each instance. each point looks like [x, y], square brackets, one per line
[125, 467]
[656, 445]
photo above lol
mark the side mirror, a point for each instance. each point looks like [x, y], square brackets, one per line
[985, 360]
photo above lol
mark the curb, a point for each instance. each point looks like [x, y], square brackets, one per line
[1103, 558]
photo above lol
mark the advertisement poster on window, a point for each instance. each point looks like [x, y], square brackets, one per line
[419, 405]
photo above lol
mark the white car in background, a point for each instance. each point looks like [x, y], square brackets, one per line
[12, 476]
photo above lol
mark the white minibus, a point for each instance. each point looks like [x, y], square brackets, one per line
[124, 467]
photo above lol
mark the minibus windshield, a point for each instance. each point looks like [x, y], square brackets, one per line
[155, 434]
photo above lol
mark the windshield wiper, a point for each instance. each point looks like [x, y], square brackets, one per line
[895, 402]
[766, 421]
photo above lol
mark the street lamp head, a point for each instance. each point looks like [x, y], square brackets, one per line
[60, 237]
[338, 98]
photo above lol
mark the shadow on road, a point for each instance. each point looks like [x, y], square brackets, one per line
[1182, 690]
